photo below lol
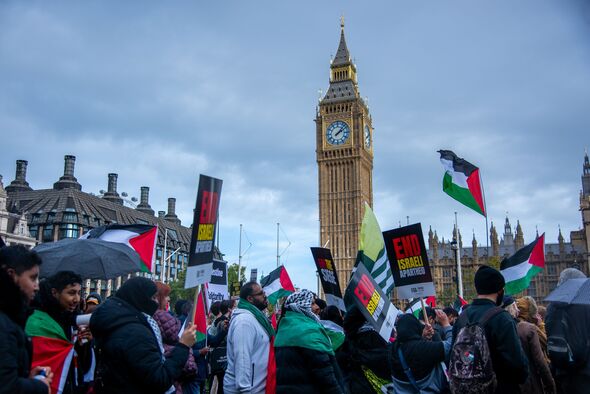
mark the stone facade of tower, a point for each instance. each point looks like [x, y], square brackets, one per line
[344, 153]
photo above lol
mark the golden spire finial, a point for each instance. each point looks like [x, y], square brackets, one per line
[342, 22]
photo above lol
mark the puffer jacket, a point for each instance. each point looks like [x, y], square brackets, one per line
[129, 358]
[170, 327]
[540, 379]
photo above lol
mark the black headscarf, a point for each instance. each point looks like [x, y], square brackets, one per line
[408, 327]
[138, 293]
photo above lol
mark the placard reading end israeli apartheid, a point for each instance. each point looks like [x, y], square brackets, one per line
[366, 294]
[409, 262]
[328, 276]
[200, 264]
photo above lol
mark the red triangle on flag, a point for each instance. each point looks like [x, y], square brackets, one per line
[144, 244]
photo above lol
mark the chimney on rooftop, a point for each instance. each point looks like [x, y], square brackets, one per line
[111, 194]
[171, 215]
[68, 180]
[161, 214]
[144, 205]
[20, 180]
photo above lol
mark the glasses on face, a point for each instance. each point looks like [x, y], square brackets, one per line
[257, 294]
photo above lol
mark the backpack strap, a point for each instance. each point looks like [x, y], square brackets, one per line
[407, 369]
[488, 315]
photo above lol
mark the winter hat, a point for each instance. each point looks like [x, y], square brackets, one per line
[507, 301]
[488, 280]
[94, 298]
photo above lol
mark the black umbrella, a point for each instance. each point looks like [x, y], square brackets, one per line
[89, 258]
[572, 291]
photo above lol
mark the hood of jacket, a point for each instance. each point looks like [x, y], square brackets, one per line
[12, 300]
[408, 328]
[112, 314]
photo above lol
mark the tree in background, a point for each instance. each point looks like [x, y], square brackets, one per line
[232, 273]
[178, 292]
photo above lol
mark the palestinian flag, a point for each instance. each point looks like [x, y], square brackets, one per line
[372, 252]
[459, 303]
[51, 348]
[415, 308]
[277, 284]
[139, 237]
[462, 181]
[520, 268]
[199, 315]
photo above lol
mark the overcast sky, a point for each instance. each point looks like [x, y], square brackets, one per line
[159, 92]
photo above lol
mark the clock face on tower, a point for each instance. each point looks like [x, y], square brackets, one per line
[337, 133]
[367, 137]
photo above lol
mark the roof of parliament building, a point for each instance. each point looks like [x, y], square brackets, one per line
[66, 203]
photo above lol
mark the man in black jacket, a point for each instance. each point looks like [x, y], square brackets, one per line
[508, 359]
[19, 280]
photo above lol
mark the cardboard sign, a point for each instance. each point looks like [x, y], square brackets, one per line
[200, 265]
[409, 262]
[328, 276]
[217, 289]
[366, 294]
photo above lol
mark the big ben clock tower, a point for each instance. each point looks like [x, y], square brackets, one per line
[344, 148]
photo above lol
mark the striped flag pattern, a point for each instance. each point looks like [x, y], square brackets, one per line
[372, 252]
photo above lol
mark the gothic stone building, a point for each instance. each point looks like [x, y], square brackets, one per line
[558, 256]
[65, 211]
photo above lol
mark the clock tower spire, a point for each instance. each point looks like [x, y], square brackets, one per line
[344, 153]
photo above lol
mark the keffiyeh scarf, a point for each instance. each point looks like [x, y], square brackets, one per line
[301, 302]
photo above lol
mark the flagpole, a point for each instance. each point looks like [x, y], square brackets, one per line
[458, 258]
[278, 255]
[163, 268]
[483, 192]
[240, 254]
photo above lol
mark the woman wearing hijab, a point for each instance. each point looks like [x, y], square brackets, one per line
[129, 343]
[304, 356]
[539, 379]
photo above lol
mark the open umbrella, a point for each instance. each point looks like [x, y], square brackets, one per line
[89, 258]
[572, 291]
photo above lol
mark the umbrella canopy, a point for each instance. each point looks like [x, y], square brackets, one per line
[572, 291]
[89, 258]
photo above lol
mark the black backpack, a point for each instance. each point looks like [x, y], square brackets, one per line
[470, 369]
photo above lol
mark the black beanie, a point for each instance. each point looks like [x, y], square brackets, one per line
[488, 280]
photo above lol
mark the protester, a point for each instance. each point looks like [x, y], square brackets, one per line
[452, 314]
[57, 340]
[218, 345]
[539, 379]
[567, 332]
[19, 281]
[331, 319]
[197, 385]
[93, 300]
[249, 343]
[304, 356]
[318, 306]
[170, 327]
[438, 333]
[131, 354]
[529, 311]
[508, 360]
[417, 362]
[363, 355]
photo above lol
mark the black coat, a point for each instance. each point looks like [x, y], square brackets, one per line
[302, 370]
[129, 358]
[364, 348]
[421, 355]
[15, 347]
[508, 359]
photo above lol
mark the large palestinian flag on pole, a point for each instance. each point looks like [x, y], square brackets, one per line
[277, 284]
[519, 269]
[51, 348]
[372, 252]
[139, 237]
[462, 181]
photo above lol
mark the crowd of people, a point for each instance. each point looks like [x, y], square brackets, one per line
[133, 342]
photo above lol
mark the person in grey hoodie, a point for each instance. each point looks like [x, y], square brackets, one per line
[248, 343]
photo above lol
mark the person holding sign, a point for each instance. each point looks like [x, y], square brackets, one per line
[416, 359]
[129, 343]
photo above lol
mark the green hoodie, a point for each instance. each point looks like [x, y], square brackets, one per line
[296, 329]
